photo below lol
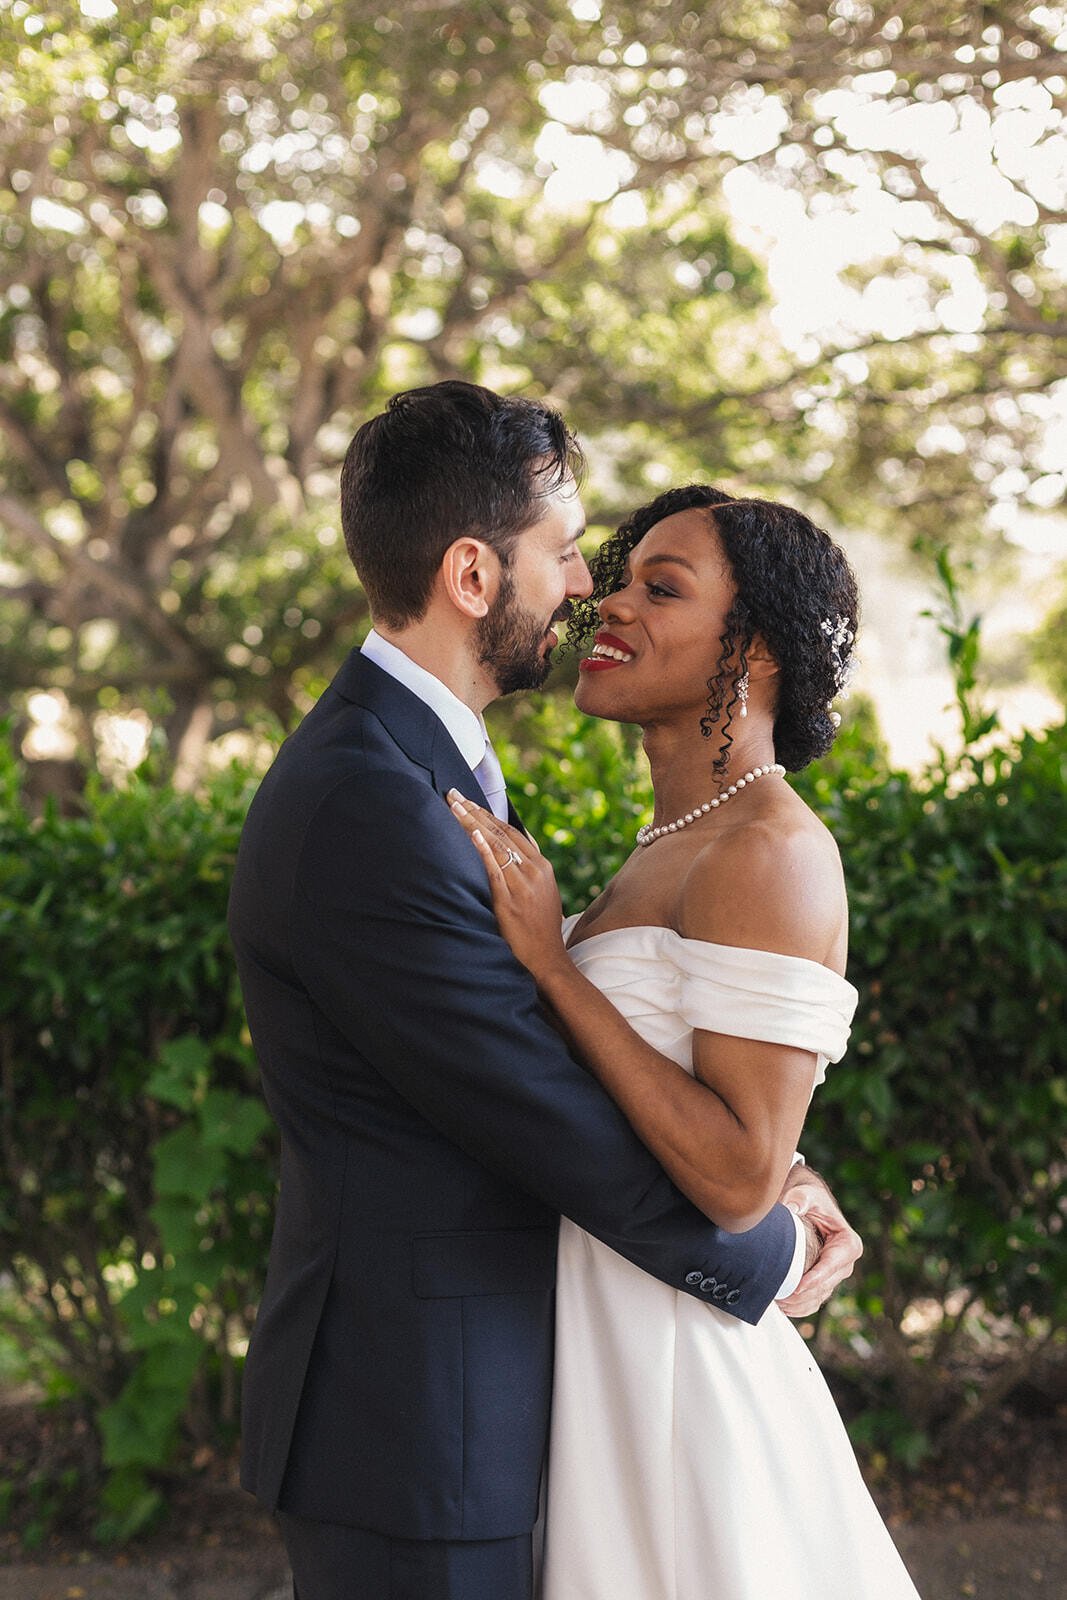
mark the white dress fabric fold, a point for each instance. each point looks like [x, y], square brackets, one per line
[693, 1456]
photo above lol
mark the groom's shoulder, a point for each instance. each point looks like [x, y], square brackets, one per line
[338, 744]
[359, 723]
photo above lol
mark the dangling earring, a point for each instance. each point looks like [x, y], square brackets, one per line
[741, 690]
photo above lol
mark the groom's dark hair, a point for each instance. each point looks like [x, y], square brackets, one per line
[439, 463]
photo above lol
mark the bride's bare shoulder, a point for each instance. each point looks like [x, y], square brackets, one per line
[770, 881]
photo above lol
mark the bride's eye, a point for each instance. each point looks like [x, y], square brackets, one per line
[659, 591]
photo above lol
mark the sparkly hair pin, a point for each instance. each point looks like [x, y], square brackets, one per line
[840, 637]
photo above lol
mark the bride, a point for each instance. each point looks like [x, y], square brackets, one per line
[693, 1454]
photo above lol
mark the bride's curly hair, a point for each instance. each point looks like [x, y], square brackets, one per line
[795, 589]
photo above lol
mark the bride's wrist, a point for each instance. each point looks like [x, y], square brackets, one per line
[554, 974]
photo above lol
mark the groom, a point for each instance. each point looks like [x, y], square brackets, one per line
[433, 1125]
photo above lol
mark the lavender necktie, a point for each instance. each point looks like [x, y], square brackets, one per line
[491, 778]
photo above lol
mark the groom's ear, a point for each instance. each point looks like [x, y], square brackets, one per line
[470, 576]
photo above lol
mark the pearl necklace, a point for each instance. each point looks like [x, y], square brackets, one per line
[648, 834]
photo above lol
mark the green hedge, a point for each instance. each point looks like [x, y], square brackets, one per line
[137, 1161]
[137, 1167]
[943, 1128]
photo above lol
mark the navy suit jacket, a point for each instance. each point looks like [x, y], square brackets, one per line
[433, 1127]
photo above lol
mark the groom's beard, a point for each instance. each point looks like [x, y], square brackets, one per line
[511, 640]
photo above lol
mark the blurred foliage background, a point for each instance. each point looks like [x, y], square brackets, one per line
[229, 231]
[137, 1166]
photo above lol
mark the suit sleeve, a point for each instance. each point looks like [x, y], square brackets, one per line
[394, 937]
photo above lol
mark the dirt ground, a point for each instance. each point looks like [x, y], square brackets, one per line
[990, 1524]
[991, 1558]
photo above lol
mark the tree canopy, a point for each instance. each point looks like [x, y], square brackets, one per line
[231, 230]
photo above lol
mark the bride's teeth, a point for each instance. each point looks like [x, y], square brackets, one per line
[612, 655]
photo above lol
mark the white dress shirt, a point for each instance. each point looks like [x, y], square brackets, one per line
[465, 726]
[471, 740]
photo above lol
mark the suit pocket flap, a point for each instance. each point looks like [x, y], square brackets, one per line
[506, 1261]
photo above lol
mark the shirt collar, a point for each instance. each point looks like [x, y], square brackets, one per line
[465, 726]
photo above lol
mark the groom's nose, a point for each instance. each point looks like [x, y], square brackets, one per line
[579, 579]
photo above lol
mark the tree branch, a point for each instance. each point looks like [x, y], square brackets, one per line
[127, 594]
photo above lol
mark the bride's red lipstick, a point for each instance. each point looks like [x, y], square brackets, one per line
[600, 663]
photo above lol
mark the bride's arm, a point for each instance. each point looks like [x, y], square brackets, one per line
[726, 1136]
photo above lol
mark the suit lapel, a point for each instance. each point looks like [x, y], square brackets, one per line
[418, 731]
[450, 771]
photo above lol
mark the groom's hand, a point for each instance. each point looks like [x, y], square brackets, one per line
[833, 1246]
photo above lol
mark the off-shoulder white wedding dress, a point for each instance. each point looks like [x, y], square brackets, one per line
[693, 1456]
